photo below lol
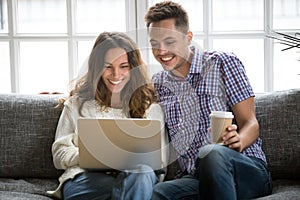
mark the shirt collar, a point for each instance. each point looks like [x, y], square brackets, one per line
[196, 61]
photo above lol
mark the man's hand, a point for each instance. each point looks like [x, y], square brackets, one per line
[232, 139]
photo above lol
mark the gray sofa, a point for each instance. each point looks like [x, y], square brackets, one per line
[27, 129]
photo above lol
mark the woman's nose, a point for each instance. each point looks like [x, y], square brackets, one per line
[115, 72]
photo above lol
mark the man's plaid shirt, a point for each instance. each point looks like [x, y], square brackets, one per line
[216, 81]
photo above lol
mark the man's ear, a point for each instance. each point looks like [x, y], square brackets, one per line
[190, 37]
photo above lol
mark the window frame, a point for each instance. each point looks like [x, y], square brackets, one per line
[208, 35]
[71, 37]
[135, 11]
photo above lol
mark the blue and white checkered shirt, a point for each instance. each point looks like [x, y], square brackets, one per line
[216, 81]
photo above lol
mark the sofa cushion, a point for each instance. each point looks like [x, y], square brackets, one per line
[26, 188]
[284, 189]
[21, 196]
[27, 129]
[278, 114]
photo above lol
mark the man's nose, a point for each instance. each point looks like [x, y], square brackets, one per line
[162, 49]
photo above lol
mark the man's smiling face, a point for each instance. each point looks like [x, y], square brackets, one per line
[170, 47]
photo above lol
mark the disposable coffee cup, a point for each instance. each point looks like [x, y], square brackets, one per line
[219, 121]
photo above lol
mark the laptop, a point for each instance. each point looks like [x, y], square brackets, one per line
[120, 144]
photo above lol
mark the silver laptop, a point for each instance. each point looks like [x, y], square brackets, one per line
[121, 144]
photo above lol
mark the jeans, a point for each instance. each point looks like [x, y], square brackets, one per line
[136, 184]
[221, 173]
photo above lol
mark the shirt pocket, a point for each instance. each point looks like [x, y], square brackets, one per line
[212, 98]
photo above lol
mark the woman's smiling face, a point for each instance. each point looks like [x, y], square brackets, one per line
[116, 73]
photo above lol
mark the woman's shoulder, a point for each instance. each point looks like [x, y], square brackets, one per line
[71, 101]
[154, 109]
[74, 101]
[155, 106]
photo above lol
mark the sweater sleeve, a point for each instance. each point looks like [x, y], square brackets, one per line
[64, 149]
[155, 112]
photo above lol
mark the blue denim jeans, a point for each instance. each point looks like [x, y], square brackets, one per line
[136, 184]
[221, 173]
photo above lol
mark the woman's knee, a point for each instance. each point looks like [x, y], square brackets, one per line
[88, 186]
[140, 168]
[141, 174]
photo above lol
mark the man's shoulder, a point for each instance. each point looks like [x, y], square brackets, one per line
[213, 54]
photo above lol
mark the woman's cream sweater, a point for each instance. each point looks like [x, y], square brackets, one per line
[65, 147]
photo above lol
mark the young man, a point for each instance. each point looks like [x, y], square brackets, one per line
[193, 84]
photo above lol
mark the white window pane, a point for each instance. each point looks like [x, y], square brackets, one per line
[237, 15]
[197, 42]
[42, 16]
[286, 68]
[153, 65]
[251, 54]
[3, 16]
[286, 14]
[44, 67]
[84, 50]
[5, 86]
[194, 9]
[95, 16]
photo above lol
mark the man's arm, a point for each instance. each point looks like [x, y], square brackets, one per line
[247, 130]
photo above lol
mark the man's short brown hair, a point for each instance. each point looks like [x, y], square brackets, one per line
[168, 10]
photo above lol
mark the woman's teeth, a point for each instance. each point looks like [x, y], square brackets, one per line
[115, 82]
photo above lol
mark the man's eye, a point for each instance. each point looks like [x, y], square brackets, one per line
[170, 42]
[154, 45]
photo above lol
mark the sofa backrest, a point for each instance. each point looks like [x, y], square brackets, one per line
[27, 130]
[278, 114]
[28, 124]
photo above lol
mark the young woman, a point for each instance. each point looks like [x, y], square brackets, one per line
[116, 85]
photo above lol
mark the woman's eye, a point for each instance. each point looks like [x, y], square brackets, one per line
[124, 66]
[107, 66]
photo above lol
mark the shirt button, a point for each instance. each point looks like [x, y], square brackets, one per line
[186, 148]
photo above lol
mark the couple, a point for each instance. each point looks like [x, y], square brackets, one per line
[193, 84]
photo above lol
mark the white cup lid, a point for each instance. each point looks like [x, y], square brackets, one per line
[221, 114]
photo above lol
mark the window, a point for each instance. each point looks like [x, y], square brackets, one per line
[45, 43]
[241, 27]
[4, 67]
[41, 51]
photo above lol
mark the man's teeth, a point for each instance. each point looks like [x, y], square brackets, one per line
[115, 82]
[166, 58]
